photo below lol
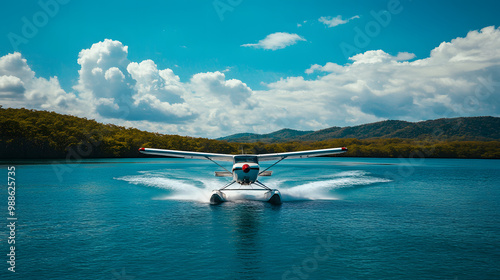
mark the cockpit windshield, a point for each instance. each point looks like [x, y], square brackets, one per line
[238, 159]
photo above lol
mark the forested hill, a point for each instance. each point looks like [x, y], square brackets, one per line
[31, 134]
[41, 134]
[461, 129]
[283, 135]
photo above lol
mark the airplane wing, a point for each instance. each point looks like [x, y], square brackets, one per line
[184, 154]
[301, 154]
[226, 157]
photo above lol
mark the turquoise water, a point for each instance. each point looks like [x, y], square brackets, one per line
[343, 218]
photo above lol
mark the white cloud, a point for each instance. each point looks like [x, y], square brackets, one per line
[19, 87]
[275, 41]
[405, 56]
[215, 85]
[302, 23]
[329, 67]
[16, 66]
[334, 21]
[163, 84]
[459, 78]
[102, 73]
[378, 56]
[159, 93]
[377, 85]
[11, 86]
[120, 89]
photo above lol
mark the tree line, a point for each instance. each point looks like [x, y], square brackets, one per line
[32, 134]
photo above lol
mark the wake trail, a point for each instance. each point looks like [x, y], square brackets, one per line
[321, 190]
[180, 188]
[200, 189]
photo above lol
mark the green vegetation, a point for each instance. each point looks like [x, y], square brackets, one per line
[460, 129]
[40, 134]
[31, 134]
[283, 135]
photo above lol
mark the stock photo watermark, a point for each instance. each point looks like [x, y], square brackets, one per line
[76, 154]
[11, 218]
[311, 263]
[485, 89]
[223, 6]
[122, 275]
[372, 29]
[31, 25]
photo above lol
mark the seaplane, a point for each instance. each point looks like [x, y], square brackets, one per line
[245, 171]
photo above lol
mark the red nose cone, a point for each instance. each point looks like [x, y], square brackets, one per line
[245, 168]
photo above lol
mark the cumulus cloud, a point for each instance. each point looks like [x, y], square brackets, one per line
[102, 81]
[16, 66]
[328, 67]
[215, 86]
[11, 86]
[334, 21]
[121, 89]
[161, 83]
[276, 41]
[19, 87]
[158, 94]
[459, 78]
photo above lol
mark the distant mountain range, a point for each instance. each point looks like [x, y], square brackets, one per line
[469, 128]
[282, 135]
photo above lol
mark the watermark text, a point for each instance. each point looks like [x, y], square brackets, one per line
[31, 26]
[11, 219]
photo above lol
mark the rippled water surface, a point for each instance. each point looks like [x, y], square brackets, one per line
[342, 218]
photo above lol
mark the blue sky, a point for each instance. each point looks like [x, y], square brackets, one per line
[212, 50]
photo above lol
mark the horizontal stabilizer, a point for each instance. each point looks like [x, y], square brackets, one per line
[266, 173]
[223, 174]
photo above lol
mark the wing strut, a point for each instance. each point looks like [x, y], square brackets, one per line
[228, 185]
[272, 165]
[257, 182]
[219, 165]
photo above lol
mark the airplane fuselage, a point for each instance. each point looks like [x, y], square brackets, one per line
[245, 169]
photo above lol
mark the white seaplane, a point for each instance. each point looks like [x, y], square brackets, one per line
[246, 170]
